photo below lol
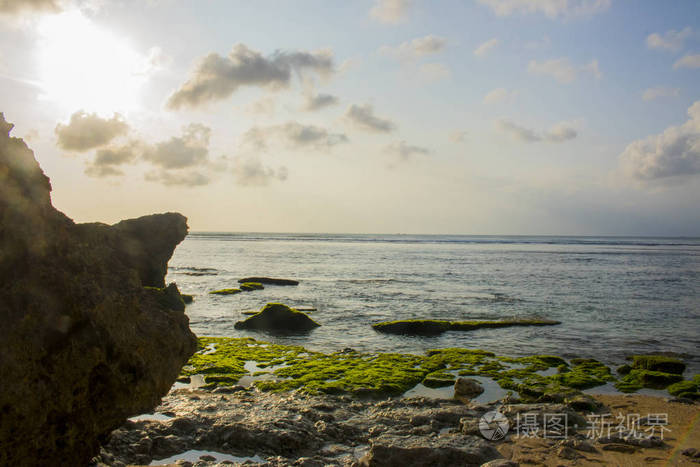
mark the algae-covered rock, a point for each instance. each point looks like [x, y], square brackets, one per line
[84, 343]
[438, 379]
[250, 286]
[278, 317]
[660, 363]
[437, 326]
[268, 280]
[225, 292]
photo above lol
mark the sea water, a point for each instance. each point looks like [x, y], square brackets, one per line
[614, 296]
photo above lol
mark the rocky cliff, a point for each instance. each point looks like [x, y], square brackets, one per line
[88, 336]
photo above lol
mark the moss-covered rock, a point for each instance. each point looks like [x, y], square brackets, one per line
[438, 379]
[250, 286]
[660, 363]
[268, 280]
[437, 326]
[688, 388]
[637, 379]
[584, 374]
[225, 292]
[278, 317]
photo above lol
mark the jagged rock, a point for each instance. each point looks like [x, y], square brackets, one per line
[446, 450]
[278, 317]
[83, 344]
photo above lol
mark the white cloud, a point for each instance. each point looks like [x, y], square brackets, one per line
[671, 40]
[485, 47]
[363, 117]
[416, 48]
[178, 178]
[294, 135]
[405, 151]
[263, 106]
[88, 131]
[673, 153]
[551, 8]
[181, 151]
[563, 70]
[319, 101]
[390, 11]
[15, 7]
[218, 77]
[557, 133]
[499, 95]
[688, 61]
[660, 91]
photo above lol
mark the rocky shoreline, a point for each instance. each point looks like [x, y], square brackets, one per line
[235, 425]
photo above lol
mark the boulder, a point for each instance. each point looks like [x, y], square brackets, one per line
[278, 317]
[468, 387]
[90, 335]
[268, 280]
[449, 449]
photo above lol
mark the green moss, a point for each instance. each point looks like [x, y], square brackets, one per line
[585, 373]
[624, 369]
[660, 363]
[438, 379]
[225, 292]
[436, 326]
[637, 379]
[688, 387]
[250, 286]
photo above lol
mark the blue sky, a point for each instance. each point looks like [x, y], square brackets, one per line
[483, 117]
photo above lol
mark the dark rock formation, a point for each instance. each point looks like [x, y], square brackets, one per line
[278, 317]
[431, 327]
[83, 344]
[268, 280]
[468, 387]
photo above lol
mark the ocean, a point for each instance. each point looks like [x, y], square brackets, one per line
[614, 296]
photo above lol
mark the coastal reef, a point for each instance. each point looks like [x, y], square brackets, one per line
[223, 361]
[90, 335]
[429, 327]
[278, 317]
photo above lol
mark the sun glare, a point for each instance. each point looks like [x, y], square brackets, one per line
[85, 67]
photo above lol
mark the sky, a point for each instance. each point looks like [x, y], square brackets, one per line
[502, 117]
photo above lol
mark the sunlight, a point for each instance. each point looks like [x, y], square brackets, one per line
[85, 67]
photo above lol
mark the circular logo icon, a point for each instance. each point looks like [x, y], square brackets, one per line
[493, 425]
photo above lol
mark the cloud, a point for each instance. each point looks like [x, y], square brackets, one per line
[217, 77]
[660, 91]
[15, 7]
[563, 70]
[553, 9]
[673, 153]
[390, 11]
[416, 48]
[499, 95]
[405, 151]
[363, 117]
[458, 136]
[178, 178]
[671, 40]
[88, 131]
[251, 171]
[688, 61]
[295, 135]
[319, 101]
[181, 151]
[485, 47]
[557, 133]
